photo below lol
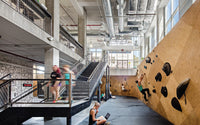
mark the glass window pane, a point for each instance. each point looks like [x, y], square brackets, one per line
[119, 57]
[99, 50]
[168, 11]
[175, 4]
[125, 56]
[176, 18]
[169, 26]
[119, 64]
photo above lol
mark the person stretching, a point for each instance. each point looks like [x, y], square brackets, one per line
[139, 85]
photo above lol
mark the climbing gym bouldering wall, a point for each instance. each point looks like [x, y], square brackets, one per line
[173, 71]
[121, 86]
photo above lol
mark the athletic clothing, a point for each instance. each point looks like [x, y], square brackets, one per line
[54, 76]
[143, 91]
[91, 122]
[140, 87]
[67, 76]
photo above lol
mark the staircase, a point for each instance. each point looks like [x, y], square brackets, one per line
[14, 111]
[88, 71]
[81, 89]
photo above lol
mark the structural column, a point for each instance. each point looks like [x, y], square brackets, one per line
[51, 59]
[82, 33]
[53, 6]
[99, 93]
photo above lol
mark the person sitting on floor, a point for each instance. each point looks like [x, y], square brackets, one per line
[92, 117]
[139, 85]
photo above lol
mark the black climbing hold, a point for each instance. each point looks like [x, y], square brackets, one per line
[158, 77]
[167, 68]
[145, 67]
[180, 90]
[154, 90]
[148, 60]
[175, 103]
[164, 91]
[153, 86]
[153, 61]
[156, 55]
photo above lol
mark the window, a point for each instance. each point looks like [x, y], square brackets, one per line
[176, 18]
[95, 55]
[168, 11]
[175, 4]
[169, 26]
[172, 14]
[124, 60]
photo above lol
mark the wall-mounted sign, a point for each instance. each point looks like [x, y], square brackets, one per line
[27, 85]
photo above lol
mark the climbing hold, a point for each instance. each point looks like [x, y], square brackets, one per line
[145, 67]
[180, 90]
[154, 90]
[153, 86]
[175, 103]
[156, 55]
[148, 60]
[158, 77]
[164, 91]
[153, 61]
[167, 68]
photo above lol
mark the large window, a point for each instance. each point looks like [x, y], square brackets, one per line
[172, 14]
[95, 55]
[124, 60]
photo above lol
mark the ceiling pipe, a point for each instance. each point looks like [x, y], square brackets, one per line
[109, 18]
[121, 14]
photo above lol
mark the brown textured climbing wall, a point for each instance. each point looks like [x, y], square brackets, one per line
[116, 85]
[180, 48]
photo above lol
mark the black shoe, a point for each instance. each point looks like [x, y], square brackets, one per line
[146, 99]
[149, 95]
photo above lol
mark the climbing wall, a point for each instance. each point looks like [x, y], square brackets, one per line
[130, 88]
[173, 72]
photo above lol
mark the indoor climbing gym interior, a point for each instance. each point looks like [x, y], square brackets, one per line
[99, 62]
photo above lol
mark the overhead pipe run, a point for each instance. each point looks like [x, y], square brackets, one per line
[121, 14]
[109, 18]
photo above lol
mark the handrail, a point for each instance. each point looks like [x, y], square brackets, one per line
[70, 38]
[94, 71]
[97, 67]
[4, 83]
[5, 76]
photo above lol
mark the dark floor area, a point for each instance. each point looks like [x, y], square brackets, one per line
[129, 111]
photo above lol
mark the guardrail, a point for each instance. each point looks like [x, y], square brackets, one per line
[33, 11]
[20, 92]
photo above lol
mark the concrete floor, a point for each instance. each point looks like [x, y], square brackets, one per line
[123, 110]
[129, 111]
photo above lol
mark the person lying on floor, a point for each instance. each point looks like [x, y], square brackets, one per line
[139, 85]
[92, 117]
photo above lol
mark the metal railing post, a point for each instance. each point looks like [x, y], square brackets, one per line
[10, 98]
[106, 90]
[70, 91]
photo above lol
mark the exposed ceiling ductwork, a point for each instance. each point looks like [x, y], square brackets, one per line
[109, 17]
[121, 6]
